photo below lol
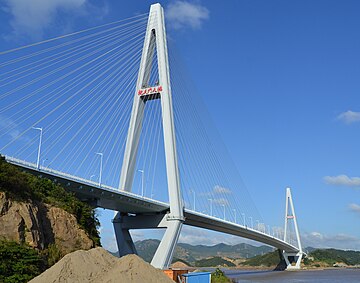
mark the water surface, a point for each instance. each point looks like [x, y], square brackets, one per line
[330, 275]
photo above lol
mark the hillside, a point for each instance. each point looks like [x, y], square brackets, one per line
[191, 254]
[233, 251]
[214, 261]
[267, 260]
[37, 214]
[330, 257]
[316, 258]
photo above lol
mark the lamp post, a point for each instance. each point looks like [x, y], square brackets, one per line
[258, 225]
[142, 181]
[244, 219]
[211, 203]
[194, 199]
[42, 164]
[39, 150]
[251, 222]
[224, 211]
[92, 176]
[101, 162]
[234, 214]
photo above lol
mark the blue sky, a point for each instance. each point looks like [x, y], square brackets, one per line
[287, 101]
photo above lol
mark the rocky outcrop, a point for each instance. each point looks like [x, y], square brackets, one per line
[40, 225]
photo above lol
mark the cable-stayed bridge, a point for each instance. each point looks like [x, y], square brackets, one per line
[75, 106]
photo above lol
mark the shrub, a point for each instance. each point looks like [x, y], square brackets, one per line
[19, 262]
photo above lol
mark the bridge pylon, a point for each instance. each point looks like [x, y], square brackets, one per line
[290, 216]
[155, 41]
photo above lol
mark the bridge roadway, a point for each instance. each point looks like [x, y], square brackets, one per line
[110, 198]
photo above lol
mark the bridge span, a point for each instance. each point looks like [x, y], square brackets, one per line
[151, 96]
[107, 197]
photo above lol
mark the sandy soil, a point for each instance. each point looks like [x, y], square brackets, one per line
[97, 265]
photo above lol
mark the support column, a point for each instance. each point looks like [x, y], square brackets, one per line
[291, 216]
[123, 238]
[164, 253]
[297, 259]
[155, 39]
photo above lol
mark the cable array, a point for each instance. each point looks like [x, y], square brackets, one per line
[79, 89]
[210, 181]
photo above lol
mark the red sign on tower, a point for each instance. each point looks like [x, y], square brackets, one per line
[150, 90]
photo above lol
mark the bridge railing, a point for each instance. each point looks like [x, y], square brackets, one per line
[277, 235]
[70, 177]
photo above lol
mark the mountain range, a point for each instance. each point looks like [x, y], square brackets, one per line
[190, 253]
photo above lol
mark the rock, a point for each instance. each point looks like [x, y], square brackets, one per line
[40, 225]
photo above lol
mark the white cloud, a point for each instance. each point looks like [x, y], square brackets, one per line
[342, 180]
[198, 236]
[354, 207]
[182, 14]
[221, 201]
[11, 129]
[349, 117]
[221, 190]
[338, 241]
[32, 18]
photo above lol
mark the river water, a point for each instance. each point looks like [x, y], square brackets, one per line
[330, 275]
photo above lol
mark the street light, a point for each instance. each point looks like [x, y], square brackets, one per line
[101, 162]
[235, 214]
[211, 202]
[39, 150]
[224, 211]
[194, 199]
[258, 225]
[243, 215]
[42, 164]
[142, 181]
[251, 222]
[92, 176]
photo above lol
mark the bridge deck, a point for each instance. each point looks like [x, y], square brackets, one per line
[110, 198]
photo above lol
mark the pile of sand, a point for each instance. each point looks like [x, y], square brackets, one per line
[97, 265]
[179, 265]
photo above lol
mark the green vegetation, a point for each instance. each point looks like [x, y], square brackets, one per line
[21, 186]
[332, 256]
[189, 253]
[269, 259]
[19, 263]
[213, 261]
[219, 277]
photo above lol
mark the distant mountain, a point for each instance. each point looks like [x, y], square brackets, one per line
[189, 253]
[319, 258]
[273, 258]
[309, 249]
[333, 256]
[223, 250]
[214, 261]
[222, 254]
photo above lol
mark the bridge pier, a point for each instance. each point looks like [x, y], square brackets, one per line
[296, 258]
[122, 235]
[163, 255]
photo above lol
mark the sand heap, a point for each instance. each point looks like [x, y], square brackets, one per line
[97, 265]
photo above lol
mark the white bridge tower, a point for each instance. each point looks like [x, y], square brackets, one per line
[290, 216]
[155, 41]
